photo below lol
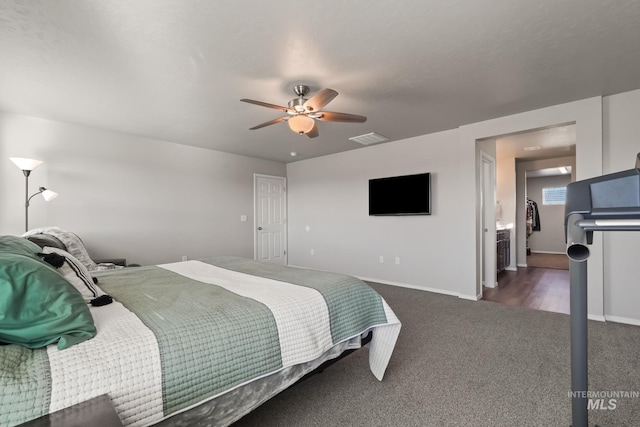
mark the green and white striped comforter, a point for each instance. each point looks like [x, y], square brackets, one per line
[183, 333]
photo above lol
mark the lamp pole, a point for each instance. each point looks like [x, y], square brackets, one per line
[26, 200]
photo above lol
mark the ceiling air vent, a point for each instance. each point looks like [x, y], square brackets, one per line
[369, 138]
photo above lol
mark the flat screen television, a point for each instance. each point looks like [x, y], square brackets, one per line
[400, 195]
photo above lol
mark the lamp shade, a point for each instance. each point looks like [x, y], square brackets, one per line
[301, 123]
[26, 164]
[49, 195]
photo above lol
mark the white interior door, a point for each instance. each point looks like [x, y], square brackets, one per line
[489, 221]
[270, 219]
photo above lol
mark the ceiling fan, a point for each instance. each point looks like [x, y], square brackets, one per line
[302, 113]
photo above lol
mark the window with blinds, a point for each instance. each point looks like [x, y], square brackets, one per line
[554, 196]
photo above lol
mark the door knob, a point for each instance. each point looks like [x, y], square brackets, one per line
[259, 228]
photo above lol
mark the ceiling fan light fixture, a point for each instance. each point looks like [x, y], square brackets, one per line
[302, 112]
[301, 124]
[297, 104]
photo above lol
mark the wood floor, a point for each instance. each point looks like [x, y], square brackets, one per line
[537, 288]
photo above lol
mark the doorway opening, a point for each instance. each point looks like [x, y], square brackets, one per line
[526, 164]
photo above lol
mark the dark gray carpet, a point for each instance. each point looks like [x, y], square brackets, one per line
[464, 363]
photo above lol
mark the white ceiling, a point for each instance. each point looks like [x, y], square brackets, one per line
[175, 70]
[539, 144]
[543, 173]
[547, 143]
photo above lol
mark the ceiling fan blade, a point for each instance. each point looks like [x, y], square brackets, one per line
[270, 122]
[264, 104]
[313, 132]
[329, 116]
[320, 99]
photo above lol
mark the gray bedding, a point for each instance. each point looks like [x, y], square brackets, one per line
[200, 336]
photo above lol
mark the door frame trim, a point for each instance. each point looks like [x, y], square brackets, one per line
[490, 234]
[285, 213]
[587, 114]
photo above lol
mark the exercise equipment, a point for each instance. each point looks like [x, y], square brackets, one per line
[606, 203]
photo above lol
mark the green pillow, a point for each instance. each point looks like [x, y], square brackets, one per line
[38, 306]
[18, 245]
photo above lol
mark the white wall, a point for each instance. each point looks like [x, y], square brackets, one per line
[147, 200]
[330, 195]
[550, 237]
[438, 252]
[506, 195]
[146, 185]
[622, 269]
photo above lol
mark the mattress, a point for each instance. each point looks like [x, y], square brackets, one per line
[185, 335]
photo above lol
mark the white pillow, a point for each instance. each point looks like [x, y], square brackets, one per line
[77, 274]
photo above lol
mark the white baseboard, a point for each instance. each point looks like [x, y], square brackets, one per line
[300, 266]
[599, 318]
[596, 317]
[522, 265]
[407, 285]
[470, 297]
[625, 320]
[548, 252]
[423, 288]
[512, 268]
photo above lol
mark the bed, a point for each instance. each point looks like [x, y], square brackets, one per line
[187, 343]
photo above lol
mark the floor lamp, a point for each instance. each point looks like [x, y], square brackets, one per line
[27, 165]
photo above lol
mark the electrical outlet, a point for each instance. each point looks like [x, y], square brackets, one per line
[312, 252]
[381, 259]
[184, 257]
[397, 260]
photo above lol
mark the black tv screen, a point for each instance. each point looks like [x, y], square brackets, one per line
[400, 195]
